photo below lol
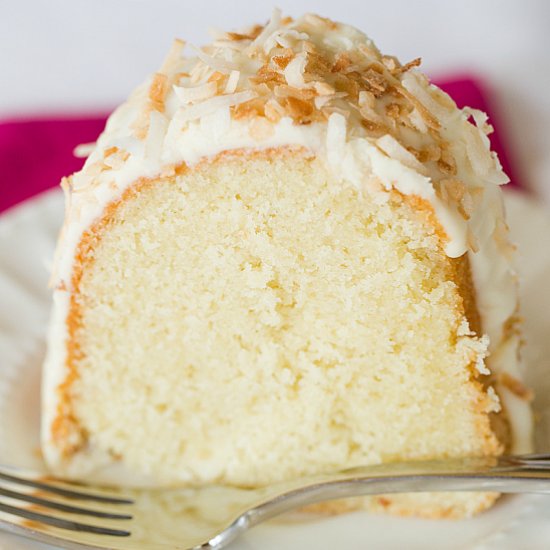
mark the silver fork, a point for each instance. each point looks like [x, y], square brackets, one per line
[72, 515]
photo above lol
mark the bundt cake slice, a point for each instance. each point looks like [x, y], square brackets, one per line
[286, 254]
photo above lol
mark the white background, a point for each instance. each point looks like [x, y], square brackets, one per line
[84, 55]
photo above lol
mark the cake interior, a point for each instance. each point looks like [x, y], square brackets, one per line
[253, 319]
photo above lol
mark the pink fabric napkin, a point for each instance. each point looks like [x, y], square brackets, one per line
[36, 153]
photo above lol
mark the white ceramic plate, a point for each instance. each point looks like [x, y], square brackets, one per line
[27, 238]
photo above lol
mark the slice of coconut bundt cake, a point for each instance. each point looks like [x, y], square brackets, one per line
[286, 254]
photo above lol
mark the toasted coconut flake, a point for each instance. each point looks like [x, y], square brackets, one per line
[366, 99]
[369, 113]
[200, 73]
[411, 65]
[325, 100]
[375, 80]
[254, 31]
[236, 36]
[157, 91]
[283, 59]
[430, 153]
[446, 163]
[323, 88]
[343, 83]
[267, 31]
[264, 89]
[455, 191]
[480, 119]
[477, 149]
[193, 94]
[341, 63]
[115, 157]
[273, 110]
[317, 64]
[299, 110]
[393, 110]
[309, 47]
[212, 104]
[374, 129]
[216, 63]
[85, 183]
[285, 38]
[178, 77]
[294, 71]
[267, 74]
[417, 121]
[391, 63]
[216, 77]
[289, 91]
[321, 101]
[496, 176]
[431, 110]
[366, 110]
[232, 82]
[84, 150]
[249, 109]
[94, 169]
[389, 145]
[429, 119]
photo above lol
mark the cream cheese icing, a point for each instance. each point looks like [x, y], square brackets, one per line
[192, 109]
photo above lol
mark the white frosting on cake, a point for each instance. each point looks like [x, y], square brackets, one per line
[189, 111]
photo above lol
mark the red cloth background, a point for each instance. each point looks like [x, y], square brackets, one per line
[36, 153]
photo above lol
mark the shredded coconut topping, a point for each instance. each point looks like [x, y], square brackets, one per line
[196, 93]
[308, 71]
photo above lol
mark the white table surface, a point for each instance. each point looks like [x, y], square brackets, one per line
[80, 55]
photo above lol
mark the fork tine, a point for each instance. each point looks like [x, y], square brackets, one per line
[542, 459]
[77, 495]
[62, 523]
[61, 507]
